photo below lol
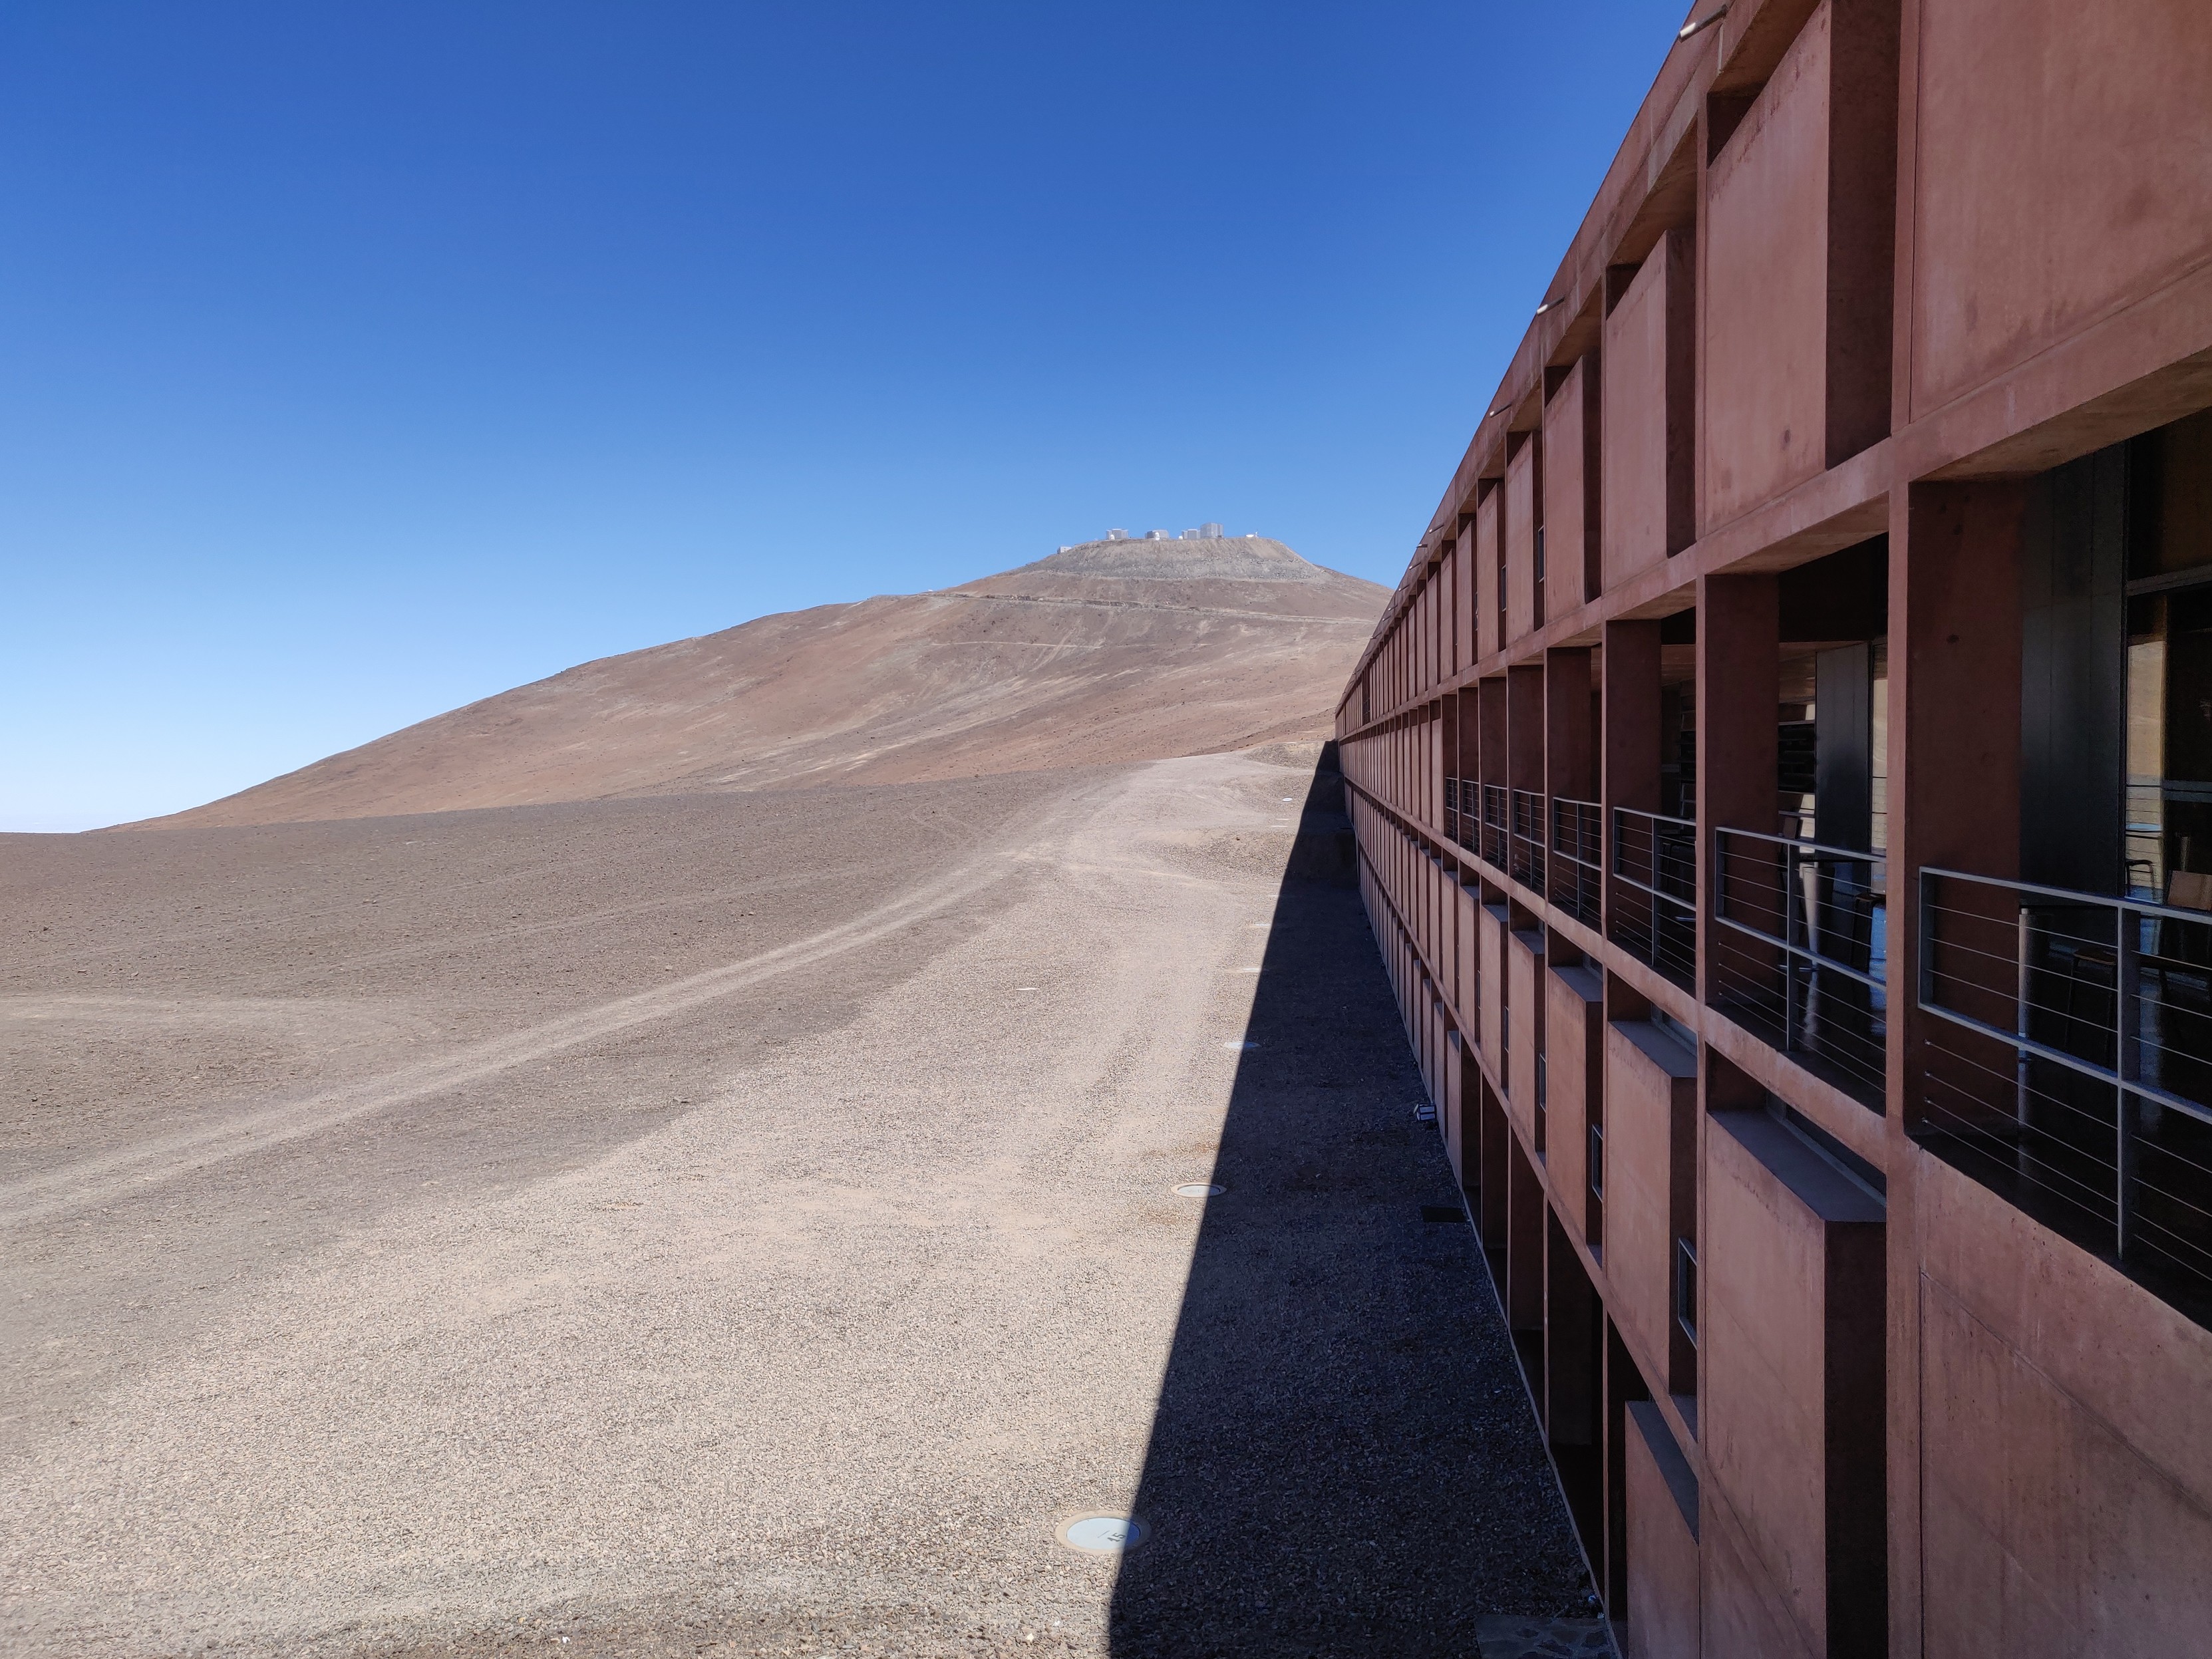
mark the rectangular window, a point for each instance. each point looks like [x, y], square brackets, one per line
[1685, 1288]
[1539, 1102]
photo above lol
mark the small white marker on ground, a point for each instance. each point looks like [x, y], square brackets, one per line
[1233, 1046]
[1103, 1534]
[1200, 1189]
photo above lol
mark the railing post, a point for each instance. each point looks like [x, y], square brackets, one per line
[1924, 966]
[1795, 1000]
[2127, 1060]
[2023, 940]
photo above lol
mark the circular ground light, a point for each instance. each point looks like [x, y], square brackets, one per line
[1104, 1534]
[1200, 1189]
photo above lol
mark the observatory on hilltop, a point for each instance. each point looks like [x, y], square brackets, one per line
[1206, 532]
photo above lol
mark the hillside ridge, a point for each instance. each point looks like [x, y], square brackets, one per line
[1108, 653]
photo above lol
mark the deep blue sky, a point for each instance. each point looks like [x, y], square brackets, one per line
[358, 361]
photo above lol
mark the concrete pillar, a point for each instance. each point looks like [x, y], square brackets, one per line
[1524, 703]
[1953, 764]
[1628, 740]
[1573, 1379]
[1495, 770]
[1525, 1214]
[1569, 768]
[1489, 570]
[1739, 703]
[1494, 1137]
[1463, 593]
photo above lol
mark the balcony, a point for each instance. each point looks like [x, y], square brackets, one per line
[1577, 858]
[1529, 838]
[1496, 819]
[1654, 895]
[1462, 812]
[2068, 1067]
[1799, 953]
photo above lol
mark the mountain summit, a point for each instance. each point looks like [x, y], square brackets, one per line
[1107, 651]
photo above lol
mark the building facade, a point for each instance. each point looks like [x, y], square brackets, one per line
[1782, 785]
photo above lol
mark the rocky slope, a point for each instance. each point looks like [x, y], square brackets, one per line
[1109, 652]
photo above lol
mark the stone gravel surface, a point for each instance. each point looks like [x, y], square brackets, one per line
[737, 1224]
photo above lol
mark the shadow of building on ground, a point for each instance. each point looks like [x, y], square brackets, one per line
[1343, 1459]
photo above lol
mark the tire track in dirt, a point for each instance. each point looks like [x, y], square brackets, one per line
[103, 1179]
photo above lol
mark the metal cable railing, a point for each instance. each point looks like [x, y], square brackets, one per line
[1800, 955]
[1497, 817]
[1577, 858]
[1529, 838]
[2068, 1066]
[1655, 873]
[1462, 812]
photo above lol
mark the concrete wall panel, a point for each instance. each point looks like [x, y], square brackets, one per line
[2057, 143]
[1522, 1010]
[2064, 1469]
[1466, 943]
[1648, 1081]
[1739, 1608]
[1574, 1048]
[1490, 926]
[1762, 1353]
[1524, 500]
[1571, 463]
[1648, 413]
[1448, 1112]
[1764, 297]
[1486, 574]
[2057, 1305]
[2045, 1532]
[1662, 1505]
[1463, 584]
[1792, 1266]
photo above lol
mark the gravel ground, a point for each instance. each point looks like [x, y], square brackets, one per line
[737, 1224]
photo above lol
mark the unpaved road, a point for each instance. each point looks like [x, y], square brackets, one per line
[735, 1224]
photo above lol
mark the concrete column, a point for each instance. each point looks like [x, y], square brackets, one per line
[1489, 572]
[1524, 720]
[1573, 1379]
[1524, 700]
[1953, 764]
[1569, 768]
[1463, 592]
[1496, 769]
[1525, 1214]
[1628, 771]
[1570, 765]
[1739, 704]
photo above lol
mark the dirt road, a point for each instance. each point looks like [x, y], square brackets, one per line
[734, 1224]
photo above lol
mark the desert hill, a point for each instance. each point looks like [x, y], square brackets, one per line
[1109, 652]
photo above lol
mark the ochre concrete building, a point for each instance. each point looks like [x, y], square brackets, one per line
[1783, 787]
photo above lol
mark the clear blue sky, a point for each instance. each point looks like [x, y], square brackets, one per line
[358, 361]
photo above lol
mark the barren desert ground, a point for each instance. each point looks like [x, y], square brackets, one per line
[737, 1224]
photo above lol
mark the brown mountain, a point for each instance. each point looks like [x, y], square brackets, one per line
[1109, 652]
